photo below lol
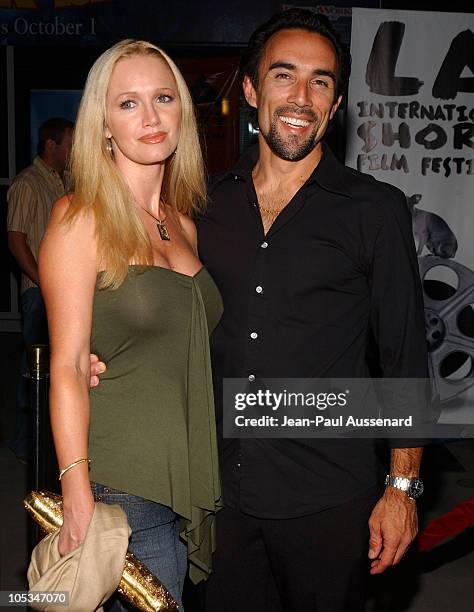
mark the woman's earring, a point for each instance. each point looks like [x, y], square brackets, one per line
[108, 145]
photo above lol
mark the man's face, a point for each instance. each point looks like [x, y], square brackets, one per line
[62, 150]
[295, 96]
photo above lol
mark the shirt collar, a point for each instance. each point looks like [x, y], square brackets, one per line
[329, 174]
[44, 168]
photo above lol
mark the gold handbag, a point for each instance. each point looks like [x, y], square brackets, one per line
[138, 585]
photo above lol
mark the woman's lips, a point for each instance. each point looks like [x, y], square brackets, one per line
[153, 138]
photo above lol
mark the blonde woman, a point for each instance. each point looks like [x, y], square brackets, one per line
[121, 278]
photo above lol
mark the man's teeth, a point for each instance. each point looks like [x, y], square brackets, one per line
[295, 122]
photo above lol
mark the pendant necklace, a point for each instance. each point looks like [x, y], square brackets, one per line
[160, 225]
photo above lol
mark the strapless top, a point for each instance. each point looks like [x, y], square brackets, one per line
[152, 430]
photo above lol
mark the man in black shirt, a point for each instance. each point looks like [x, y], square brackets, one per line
[314, 261]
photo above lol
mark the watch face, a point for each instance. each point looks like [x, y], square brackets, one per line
[415, 489]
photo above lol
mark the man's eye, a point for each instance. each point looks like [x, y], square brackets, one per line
[282, 75]
[322, 83]
[127, 104]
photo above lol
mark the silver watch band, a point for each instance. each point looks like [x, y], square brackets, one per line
[399, 482]
[413, 487]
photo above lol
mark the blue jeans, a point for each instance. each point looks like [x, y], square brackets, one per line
[155, 540]
[35, 331]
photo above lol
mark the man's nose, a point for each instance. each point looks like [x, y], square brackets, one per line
[300, 94]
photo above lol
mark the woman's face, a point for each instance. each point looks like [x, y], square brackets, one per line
[143, 110]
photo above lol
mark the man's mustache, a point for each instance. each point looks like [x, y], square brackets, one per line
[307, 113]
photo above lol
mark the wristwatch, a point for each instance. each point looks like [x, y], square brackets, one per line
[413, 487]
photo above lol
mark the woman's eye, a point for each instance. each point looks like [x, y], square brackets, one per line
[127, 104]
[165, 98]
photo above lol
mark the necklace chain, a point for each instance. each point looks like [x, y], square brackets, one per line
[160, 224]
[152, 215]
[270, 211]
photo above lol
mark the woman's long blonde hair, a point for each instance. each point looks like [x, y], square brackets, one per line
[98, 185]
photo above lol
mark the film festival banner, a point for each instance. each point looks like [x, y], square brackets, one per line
[411, 124]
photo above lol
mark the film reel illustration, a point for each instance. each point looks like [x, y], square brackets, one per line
[449, 319]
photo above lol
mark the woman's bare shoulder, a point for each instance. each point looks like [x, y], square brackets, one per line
[67, 234]
[64, 207]
[188, 226]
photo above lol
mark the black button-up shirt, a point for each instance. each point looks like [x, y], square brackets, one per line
[334, 279]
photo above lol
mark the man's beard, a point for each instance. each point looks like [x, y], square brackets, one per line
[291, 148]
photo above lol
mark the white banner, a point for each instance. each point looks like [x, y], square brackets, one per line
[411, 124]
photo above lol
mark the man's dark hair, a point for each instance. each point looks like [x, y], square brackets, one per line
[295, 19]
[52, 129]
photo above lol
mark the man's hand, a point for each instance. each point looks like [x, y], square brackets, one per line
[97, 367]
[393, 525]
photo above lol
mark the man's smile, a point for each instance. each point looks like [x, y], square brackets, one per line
[294, 122]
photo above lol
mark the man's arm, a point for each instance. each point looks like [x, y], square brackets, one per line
[22, 204]
[397, 322]
[22, 253]
[394, 522]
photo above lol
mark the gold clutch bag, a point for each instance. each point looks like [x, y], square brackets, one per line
[138, 585]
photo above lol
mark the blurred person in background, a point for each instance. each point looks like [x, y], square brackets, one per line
[30, 198]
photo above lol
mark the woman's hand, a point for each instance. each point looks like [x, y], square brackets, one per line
[75, 525]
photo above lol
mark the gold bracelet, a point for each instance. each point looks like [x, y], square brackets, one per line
[71, 465]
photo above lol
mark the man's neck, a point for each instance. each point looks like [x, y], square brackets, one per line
[271, 170]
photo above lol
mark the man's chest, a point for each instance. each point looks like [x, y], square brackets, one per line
[271, 204]
[312, 244]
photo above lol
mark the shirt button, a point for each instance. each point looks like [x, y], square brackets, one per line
[254, 335]
[264, 245]
[238, 465]
[259, 289]
[251, 377]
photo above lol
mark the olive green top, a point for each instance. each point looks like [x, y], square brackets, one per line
[152, 430]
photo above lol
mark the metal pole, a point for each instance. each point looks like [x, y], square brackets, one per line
[42, 462]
